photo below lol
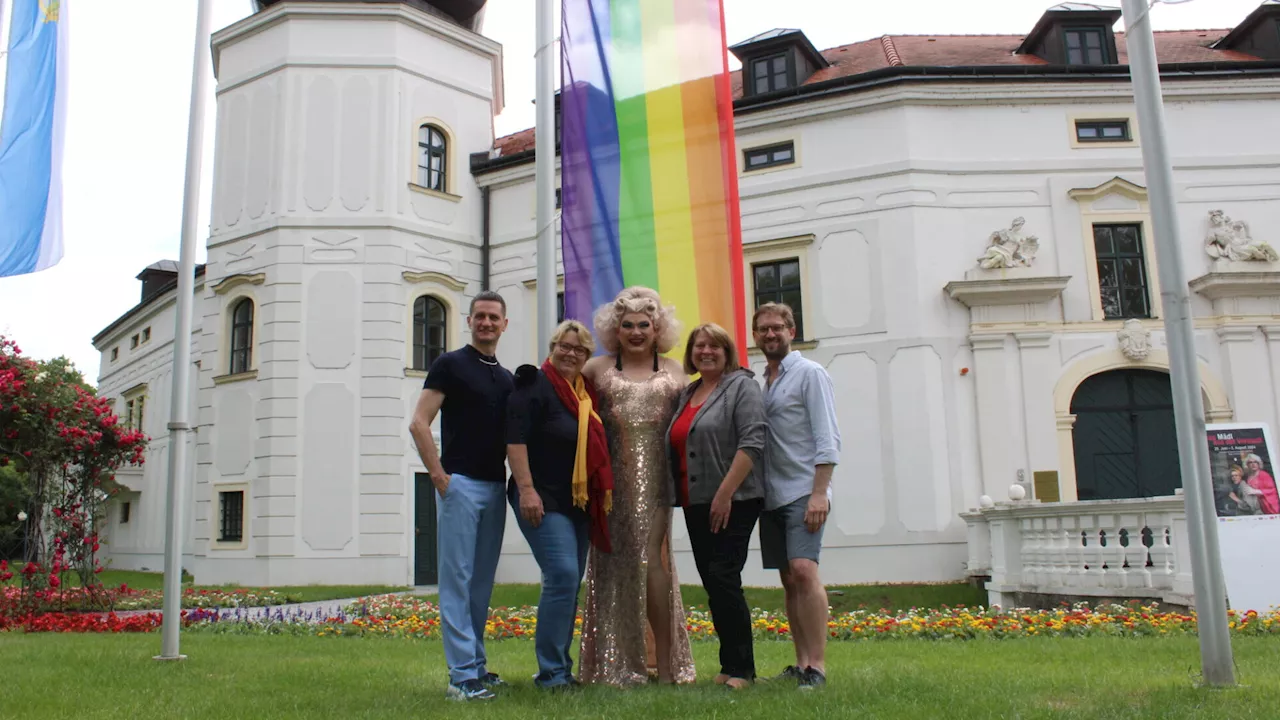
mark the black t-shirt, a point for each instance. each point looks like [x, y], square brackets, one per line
[474, 413]
[537, 419]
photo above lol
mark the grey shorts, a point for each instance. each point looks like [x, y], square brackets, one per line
[783, 536]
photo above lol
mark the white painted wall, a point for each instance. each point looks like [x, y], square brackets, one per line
[898, 188]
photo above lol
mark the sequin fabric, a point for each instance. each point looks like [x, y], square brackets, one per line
[615, 623]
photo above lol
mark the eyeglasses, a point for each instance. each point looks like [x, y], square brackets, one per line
[578, 350]
[774, 329]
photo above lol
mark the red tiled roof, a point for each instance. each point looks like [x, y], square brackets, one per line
[516, 143]
[1177, 46]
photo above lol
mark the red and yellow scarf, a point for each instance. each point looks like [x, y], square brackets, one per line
[592, 467]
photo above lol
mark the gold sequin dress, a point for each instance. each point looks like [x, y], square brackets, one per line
[614, 622]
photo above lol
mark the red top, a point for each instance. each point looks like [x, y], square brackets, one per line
[680, 441]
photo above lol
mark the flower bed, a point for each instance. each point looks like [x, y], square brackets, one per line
[409, 617]
[406, 616]
[81, 622]
[14, 600]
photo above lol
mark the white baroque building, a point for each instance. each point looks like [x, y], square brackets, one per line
[962, 223]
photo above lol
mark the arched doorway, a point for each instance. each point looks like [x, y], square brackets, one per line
[1126, 445]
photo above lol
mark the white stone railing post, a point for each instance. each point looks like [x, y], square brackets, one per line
[1102, 549]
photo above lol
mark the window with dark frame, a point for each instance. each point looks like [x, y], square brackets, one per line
[779, 281]
[771, 73]
[430, 321]
[1102, 131]
[115, 354]
[560, 307]
[125, 509]
[1086, 45]
[432, 158]
[1122, 271]
[146, 335]
[769, 156]
[133, 342]
[242, 337]
[133, 410]
[231, 516]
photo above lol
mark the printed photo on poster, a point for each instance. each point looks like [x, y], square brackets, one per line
[1242, 468]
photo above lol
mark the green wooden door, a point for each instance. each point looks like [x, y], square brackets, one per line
[1126, 445]
[425, 567]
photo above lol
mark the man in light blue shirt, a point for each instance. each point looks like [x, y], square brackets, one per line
[802, 449]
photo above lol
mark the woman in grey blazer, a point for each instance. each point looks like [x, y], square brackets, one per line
[716, 439]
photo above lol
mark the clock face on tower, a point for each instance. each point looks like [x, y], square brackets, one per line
[467, 13]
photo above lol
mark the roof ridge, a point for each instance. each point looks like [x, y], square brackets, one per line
[890, 52]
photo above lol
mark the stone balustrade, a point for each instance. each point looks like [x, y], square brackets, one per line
[1094, 549]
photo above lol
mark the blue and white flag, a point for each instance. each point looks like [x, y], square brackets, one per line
[32, 129]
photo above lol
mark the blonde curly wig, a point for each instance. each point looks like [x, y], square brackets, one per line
[608, 318]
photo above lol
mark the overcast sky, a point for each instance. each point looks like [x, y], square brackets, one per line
[130, 89]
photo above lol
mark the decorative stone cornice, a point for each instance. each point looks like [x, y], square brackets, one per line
[434, 277]
[987, 342]
[1228, 282]
[1033, 340]
[786, 243]
[238, 377]
[532, 283]
[1237, 333]
[231, 282]
[1006, 291]
[1116, 185]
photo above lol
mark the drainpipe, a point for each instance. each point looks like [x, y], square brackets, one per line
[484, 238]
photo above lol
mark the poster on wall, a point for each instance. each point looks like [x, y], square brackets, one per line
[1242, 467]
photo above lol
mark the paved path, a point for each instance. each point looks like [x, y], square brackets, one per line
[317, 611]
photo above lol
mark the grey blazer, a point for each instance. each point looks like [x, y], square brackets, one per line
[731, 419]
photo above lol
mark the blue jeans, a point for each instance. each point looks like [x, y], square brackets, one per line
[471, 520]
[559, 545]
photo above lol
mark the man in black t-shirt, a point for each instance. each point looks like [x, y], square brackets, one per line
[469, 388]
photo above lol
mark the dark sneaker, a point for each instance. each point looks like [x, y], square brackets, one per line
[469, 690]
[491, 680]
[812, 678]
[791, 673]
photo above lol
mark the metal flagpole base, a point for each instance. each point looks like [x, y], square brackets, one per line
[163, 658]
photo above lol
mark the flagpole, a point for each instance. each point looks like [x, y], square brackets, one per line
[180, 403]
[545, 172]
[1217, 666]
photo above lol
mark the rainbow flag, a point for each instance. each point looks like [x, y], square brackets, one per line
[649, 174]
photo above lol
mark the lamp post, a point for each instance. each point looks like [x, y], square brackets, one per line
[1188, 407]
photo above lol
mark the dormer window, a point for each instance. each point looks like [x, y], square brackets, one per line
[1086, 45]
[1074, 33]
[771, 73]
[777, 60]
[1258, 35]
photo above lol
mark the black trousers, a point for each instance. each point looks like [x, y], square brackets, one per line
[720, 558]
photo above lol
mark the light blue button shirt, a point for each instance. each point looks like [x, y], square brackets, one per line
[800, 407]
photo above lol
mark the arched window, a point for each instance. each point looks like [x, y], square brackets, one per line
[433, 151]
[429, 325]
[242, 337]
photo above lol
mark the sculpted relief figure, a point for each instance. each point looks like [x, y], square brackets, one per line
[1135, 340]
[1231, 240]
[1010, 248]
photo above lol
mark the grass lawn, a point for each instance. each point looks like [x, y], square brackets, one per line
[305, 677]
[843, 598]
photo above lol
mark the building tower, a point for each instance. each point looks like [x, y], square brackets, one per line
[342, 210]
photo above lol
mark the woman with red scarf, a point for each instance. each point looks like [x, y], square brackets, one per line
[562, 487]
